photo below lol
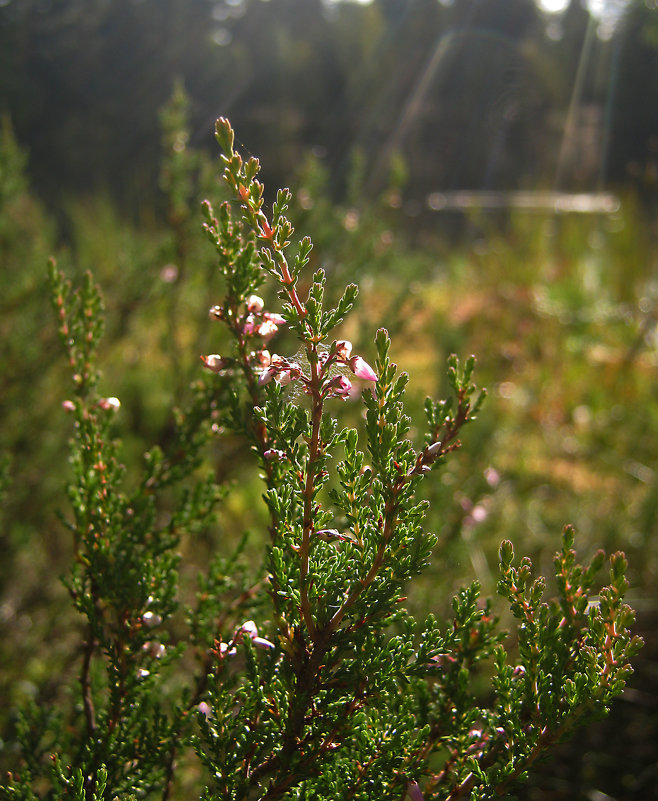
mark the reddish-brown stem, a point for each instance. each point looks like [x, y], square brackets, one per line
[390, 517]
[313, 454]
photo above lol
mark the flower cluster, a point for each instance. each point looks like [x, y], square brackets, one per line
[257, 326]
[253, 324]
[334, 384]
[247, 631]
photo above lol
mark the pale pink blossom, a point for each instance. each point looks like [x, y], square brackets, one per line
[214, 362]
[267, 329]
[215, 313]
[290, 372]
[266, 376]
[261, 642]
[249, 629]
[273, 455]
[68, 406]
[224, 650]
[255, 303]
[169, 274]
[284, 377]
[362, 369]
[109, 403]
[250, 325]
[151, 619]
[205, 709]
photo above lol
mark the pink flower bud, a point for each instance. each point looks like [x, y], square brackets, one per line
[492, 476]
[151, 619]
[290, 373]
[250, 325]
[249, 628]
[343, 349]
[68, 406]
[266, 376]
[261, 642]
[109, 403]
[215, 313]
[362, 369]
[214, 362]
[255, 303]
[224, 650]
[274, 455]
[204, 709]
[339, 386]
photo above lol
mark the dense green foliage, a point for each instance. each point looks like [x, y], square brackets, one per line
[337, 690]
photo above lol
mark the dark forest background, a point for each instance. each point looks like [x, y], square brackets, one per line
[471, 94]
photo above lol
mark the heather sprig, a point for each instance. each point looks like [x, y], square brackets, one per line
[304, 676]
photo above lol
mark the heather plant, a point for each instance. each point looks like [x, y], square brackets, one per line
[304, 676]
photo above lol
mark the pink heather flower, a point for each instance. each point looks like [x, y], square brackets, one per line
[214, 362]
[151, 619]
[284, 377]
[68, 406]
[266, 376]
[169, 274]
[340, 386]
[204, 709]
[290, 372]
[109, 403]
[267, 329]
[250, 325]
[274, 455]
[492, 476]
[250, 629]
[255, 303]
[275, 318]
[362, 369]
[224, 650]
[343, 349]
[261, 642]
[215, 313]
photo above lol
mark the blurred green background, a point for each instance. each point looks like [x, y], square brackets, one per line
[486, 170]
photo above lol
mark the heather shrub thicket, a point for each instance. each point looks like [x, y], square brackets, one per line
[304, 676]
